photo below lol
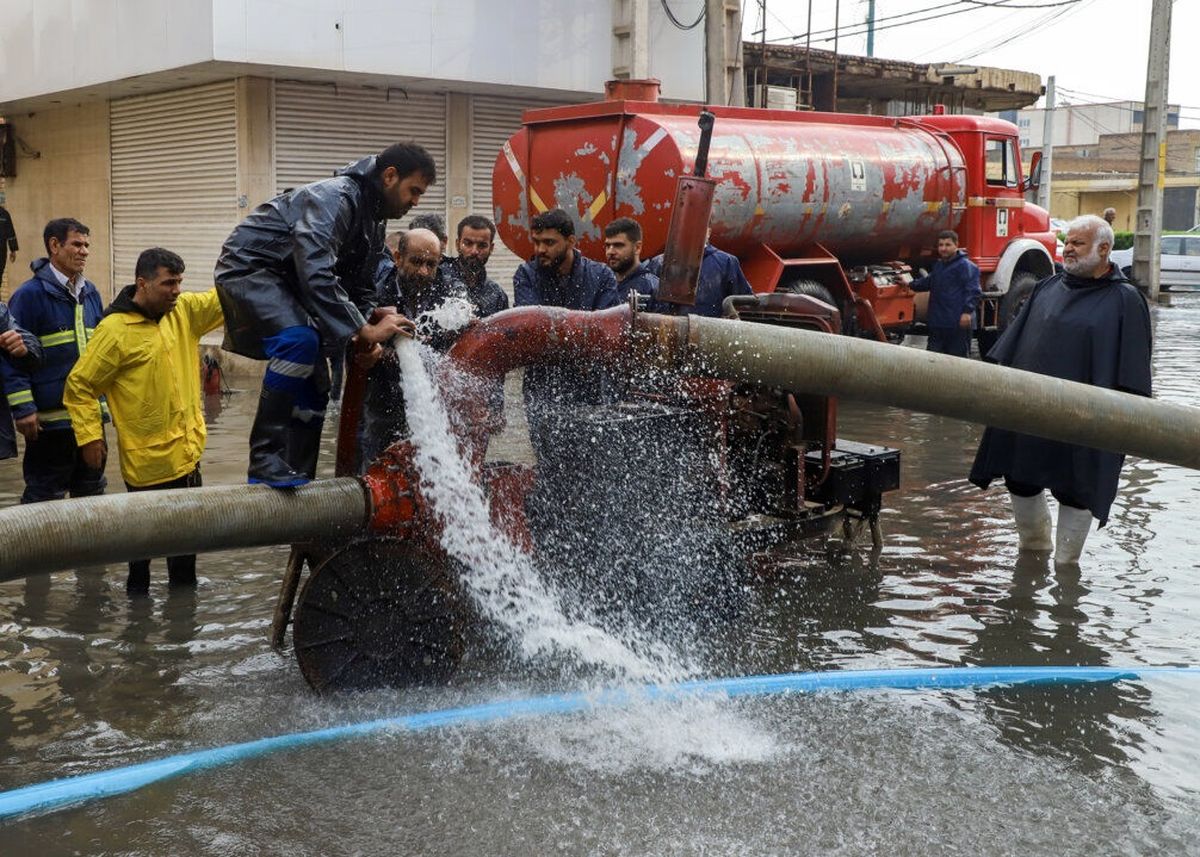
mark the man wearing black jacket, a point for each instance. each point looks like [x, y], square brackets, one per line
[297, 281]
[1088, 324]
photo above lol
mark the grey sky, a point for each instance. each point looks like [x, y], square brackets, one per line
[1096, 49]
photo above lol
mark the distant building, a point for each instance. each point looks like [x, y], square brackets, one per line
[1081, 124]
[1089, 178]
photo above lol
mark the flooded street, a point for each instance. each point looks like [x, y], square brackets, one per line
[90, 680]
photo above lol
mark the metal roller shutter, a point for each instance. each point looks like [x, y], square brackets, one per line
[493, 121]
[174, 178]
[320, 128]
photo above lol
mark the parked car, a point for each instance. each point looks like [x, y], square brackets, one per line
[1180, 264]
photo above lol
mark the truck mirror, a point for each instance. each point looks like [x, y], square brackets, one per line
[1035, 172]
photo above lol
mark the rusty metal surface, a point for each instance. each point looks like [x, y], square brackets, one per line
[865, 187]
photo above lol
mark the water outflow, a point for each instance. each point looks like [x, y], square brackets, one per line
[498, 574]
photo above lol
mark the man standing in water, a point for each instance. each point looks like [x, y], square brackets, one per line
[953, 287]
[415, 289]
[559, 275]
[294, 279]
[1088, 324]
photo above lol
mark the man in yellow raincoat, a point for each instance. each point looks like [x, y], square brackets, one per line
[144, 356]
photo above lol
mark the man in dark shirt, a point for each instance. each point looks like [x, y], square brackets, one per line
[475, 242]
[953, 287]
[559, 275]
[622, 251]
[1088, 324]
[720, 277]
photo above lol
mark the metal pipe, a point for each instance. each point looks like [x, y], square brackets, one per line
[44, 537]
[865, 371]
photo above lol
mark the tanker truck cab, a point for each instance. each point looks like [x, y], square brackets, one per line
[1009, 238]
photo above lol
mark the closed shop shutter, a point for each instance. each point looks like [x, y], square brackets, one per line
[174, 178]
[493, 121]
[320, 128]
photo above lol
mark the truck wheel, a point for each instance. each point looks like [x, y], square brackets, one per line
[379, 613]
[811, 288]
[1018, 292]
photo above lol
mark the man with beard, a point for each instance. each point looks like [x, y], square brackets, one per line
[559, 275]
[475, 242]
[416, 289]
[622, 251]
[145, 360]
[1088, 324]
[295, 279]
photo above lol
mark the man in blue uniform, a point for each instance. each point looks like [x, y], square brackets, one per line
[559, 275]
[953, 287]
[61, 308]
[720, 277]
[296, 279]
[1088, 324]
[623, 252]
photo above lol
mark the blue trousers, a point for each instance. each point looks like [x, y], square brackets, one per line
[955, 341]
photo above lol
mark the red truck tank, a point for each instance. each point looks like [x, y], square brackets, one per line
[829, 204]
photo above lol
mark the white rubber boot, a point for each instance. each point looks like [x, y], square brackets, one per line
[1073, 528]
[1032, 516]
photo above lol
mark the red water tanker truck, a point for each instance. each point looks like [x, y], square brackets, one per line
[840, 206]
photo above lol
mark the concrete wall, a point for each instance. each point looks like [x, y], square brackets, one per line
[69, 178]
[55, 46]
[58, 45]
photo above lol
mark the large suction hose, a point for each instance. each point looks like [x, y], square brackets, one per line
[74, 790]
[55, 536]
[42, 537]
[864, 371]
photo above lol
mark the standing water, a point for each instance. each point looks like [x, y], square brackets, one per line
[90, 680]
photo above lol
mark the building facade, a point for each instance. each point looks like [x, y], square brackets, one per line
[168, 122]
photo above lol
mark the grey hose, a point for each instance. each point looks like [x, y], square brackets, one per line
[875, 372]
[43, 537]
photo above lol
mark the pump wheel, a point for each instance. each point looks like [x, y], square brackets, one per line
[379, 613]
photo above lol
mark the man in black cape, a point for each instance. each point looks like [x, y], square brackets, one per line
[1088, 324]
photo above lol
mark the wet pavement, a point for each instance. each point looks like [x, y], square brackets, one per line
[90, 680]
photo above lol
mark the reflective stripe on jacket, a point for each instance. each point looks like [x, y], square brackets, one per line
[150, 372]
[63, 326]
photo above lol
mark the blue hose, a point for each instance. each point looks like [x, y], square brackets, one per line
[74, 790]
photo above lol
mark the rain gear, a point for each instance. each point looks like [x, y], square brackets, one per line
[64, 326]
[1094, 331]
[149, 369]
[8, 436]
[307, 257]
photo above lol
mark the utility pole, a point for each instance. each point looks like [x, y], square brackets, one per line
[631, 39]
[870, 28]
[1152, 169]
[724, 81]
[1043, 195]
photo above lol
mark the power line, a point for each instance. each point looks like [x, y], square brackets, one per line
[877, 20]
[677, 22]
[1043, 21]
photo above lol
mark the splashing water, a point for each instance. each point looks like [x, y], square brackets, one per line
[450, 315]
[499, 575]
